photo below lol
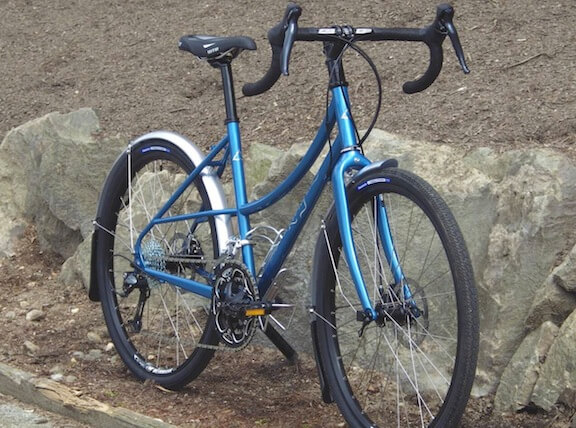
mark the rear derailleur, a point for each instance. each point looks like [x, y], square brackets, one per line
[133, 281]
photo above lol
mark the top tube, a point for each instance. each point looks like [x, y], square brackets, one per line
[302, 168]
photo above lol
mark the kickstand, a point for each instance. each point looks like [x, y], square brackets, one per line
[281, 343]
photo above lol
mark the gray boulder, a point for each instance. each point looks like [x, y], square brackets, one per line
[557, 380]
[521, 374]
[53, 167]
[514, 209]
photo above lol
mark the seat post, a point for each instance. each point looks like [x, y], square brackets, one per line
[228, 87]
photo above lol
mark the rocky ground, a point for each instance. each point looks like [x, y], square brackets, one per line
[120, 57]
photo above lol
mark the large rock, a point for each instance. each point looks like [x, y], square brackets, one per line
[518, 380]
[54, 167]
[76, 269]
[557, 380]
[556, 299]
[516, 210]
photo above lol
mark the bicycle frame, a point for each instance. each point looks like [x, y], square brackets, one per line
[344, 156]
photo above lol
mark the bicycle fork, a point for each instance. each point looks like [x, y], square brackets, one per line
[355, 160]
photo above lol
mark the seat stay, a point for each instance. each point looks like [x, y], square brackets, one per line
[159, 216]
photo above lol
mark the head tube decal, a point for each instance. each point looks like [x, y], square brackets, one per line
[372, 181]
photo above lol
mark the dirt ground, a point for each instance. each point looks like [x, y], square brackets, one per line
[121, 58]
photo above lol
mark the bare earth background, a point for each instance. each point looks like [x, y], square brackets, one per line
[121, 58]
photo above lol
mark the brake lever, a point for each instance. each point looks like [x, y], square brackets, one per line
[444, 16]
[289, 36]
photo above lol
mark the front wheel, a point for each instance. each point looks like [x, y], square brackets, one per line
[414, 364]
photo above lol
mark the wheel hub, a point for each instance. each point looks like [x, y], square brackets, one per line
[397, 311]
[406, 308]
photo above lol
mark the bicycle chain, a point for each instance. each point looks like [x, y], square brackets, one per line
[199, 345]
[218, 347]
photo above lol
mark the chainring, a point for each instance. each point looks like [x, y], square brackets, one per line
[233, 292]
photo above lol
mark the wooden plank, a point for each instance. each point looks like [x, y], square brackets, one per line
[58, 398]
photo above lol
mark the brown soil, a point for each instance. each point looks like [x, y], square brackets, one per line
[120, 58]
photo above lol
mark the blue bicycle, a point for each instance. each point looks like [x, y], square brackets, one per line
[394, 316]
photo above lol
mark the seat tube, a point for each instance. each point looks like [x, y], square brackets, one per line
[240, 191]
[233, 128]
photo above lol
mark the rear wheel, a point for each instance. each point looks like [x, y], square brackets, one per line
[160, 331]
[415, 364]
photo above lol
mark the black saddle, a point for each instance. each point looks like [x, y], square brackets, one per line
[213, 48]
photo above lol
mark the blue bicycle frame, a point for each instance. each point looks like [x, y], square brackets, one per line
[344, 156]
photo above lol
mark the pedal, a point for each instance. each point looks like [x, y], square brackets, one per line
[258, 309]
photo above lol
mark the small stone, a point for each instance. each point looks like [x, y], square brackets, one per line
[10, 315]
[94, 337]
[58, 377]
[35, 315]
[30, 347]
[109, 347]
[24, 304]
[77, 355]
[57, 369]
[75, 310]
[70, 379]
[93, 355]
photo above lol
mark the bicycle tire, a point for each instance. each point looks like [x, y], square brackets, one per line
[165, 342]
[408, 371]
